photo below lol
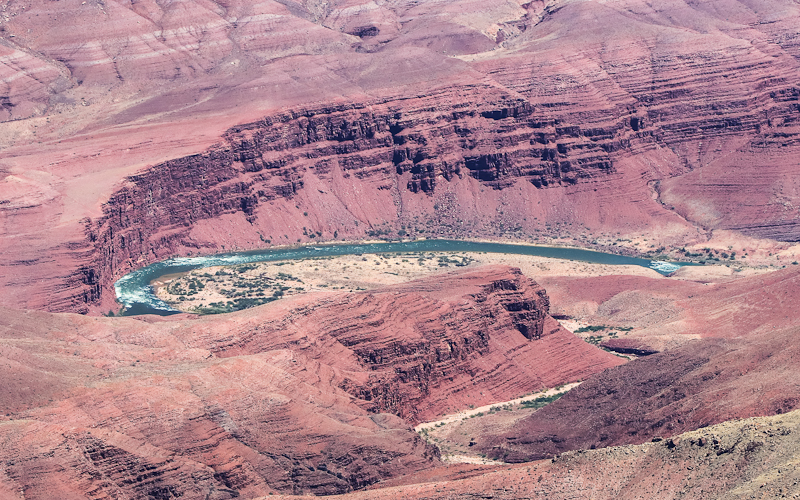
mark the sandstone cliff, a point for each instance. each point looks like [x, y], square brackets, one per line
[302, 395]
[514, 122]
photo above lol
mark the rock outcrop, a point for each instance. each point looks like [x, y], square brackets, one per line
[303, 395]
[384, 121]
[752, 458]
[131, 132]
[419, 349]
[734, 362]
[702, 383]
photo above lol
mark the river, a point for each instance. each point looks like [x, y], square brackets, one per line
[138, 297]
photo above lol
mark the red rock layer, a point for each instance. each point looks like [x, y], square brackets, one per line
[26, 81]
[301, 395]
[753, 458]
[743, 365]
[727, 106]
[370, 123]
[421, 350]
[136, 412]
[392, 148]
[702, 383]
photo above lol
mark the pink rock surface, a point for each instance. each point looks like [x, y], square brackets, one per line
[739, 363]
[752, 457]
[135, 131]
[468, 119]
[302, 395]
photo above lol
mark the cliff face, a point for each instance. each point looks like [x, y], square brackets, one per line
[397, 149]
[551, 125]
[513, 122]
[419, 349]
[422, 364]
[302, 395]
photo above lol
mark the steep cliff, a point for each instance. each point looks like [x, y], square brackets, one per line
[422, 348]
[544, 122]
[303, 395]
[556, 119]
[399, 150]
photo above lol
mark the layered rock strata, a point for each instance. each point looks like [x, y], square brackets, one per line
[509, 121]
[729, 354]
[394, 149]
[405, 147]
[702, 383]
[411, 349]
[303, 395]
[752, 458]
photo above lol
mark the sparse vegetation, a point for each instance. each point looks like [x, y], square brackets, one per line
[591, 328]
[541, 401]
[232, 288]
[609, 332]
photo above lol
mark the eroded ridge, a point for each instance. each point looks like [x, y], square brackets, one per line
[315, 393]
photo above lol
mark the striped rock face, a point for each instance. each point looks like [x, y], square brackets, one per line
[134, 132]
[311, 394]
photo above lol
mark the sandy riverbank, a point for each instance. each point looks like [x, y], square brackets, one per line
[226, 288]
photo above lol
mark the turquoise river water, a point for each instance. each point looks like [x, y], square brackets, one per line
[137, 295]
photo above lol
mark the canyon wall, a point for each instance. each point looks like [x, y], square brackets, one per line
[727, 353]
[387, 147]
[539, 130]
[302, 395]
[576, 119]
